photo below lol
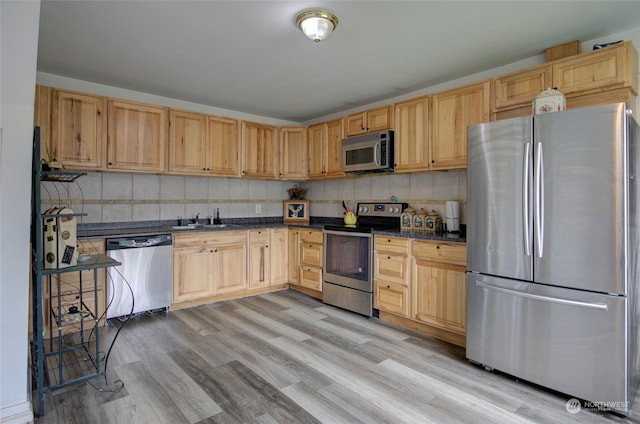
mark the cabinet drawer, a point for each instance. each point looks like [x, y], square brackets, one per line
[311, 254]
[209, 239]
[391, 267]
[257, 236]
[454, 253]
[391, 244]
[391, 297]
[311, 277]
[311, 236]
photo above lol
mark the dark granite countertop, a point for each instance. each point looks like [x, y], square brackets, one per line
[145, 228]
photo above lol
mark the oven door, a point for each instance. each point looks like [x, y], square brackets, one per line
[348, 259]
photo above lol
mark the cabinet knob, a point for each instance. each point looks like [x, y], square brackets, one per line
[388, 286]
[388, 257]
[437, 247]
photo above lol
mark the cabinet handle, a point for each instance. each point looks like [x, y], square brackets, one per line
[388, 286]
[388, 257]
[437, 247]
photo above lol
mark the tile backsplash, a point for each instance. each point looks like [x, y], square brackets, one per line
[111, 197]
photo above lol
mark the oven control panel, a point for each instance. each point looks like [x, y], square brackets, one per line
[381, 209]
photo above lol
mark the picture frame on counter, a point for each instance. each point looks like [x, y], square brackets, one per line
[295, 212]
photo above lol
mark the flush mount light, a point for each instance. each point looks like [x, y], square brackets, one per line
[317, 24]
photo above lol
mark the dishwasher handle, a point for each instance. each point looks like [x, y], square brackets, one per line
[139, 242]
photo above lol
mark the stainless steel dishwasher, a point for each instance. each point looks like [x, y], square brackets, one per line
[143, 281]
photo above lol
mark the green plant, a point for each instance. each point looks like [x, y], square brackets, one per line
[296, 192]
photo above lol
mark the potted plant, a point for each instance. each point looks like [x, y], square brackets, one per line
[296, 192]
[50, 163]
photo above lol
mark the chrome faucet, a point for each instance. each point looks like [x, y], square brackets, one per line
[197, 219]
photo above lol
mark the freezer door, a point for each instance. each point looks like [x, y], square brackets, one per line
[567, 340]
[499, 183]
[580, 196]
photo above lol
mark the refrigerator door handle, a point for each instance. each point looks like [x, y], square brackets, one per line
[597, 305]
[525, 198]
[539, 201]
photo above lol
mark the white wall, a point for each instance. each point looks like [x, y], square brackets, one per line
[19, 35]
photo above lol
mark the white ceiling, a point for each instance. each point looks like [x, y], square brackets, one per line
[249, 56]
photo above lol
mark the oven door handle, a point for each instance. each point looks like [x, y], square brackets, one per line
[348, 233]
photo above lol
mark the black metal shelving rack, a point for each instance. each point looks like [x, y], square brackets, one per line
[50, 364]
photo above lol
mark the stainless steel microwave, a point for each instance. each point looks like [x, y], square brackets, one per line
[371, 152]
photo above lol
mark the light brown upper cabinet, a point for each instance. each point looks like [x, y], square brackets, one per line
[521, 87]
[224, 146]
[293, 153]
[187, 142]
[371, 120]
[602, 76]
[325, 150]
[78, 129]
[136, 137]
[203, 145]
[42, 118]
[614, 66]
[411, 137]
[453, 111]
[260, 153]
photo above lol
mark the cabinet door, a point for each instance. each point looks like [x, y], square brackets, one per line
[293, 268]
[390, 266]
[260, 153]
[230, 268]
[187, 142]
[439, 295]
[615, 66]
[355, 124]
[223, 142]
[136, 137]
[391, 297]
[411, 137]
[259, 263]
[453, 111]
[317, 150]
[278, 248]
[311, 254]
[192, 272]
[78, 129]
[520, 88]
[42, 119]
[334, 149]
[380, 119]
[293, 153]
[311, 277]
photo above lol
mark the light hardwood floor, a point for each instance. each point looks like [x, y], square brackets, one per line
[287, 358]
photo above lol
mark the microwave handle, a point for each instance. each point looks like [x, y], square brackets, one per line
[376, 154]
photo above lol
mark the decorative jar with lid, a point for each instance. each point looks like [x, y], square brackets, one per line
[550, 100]
[419, 220]
[406, 219]
[433, 222]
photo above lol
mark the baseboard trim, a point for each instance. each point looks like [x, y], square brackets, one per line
[16, 414]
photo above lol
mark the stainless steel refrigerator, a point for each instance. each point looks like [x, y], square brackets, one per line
[552, 239]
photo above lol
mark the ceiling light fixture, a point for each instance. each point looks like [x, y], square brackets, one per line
[317, 24]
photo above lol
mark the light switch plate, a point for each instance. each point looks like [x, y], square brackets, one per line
[258, 208]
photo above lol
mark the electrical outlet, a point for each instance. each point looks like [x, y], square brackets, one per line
[258, 208]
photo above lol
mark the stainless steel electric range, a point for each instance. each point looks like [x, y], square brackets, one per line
[348, 256]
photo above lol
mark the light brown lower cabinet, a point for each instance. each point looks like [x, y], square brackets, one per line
[391, 274]
[305, 251]
[208, 265]
[439, 285]
[221, 265]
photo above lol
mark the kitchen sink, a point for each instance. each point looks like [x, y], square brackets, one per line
[183, 227]
[194, 226]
